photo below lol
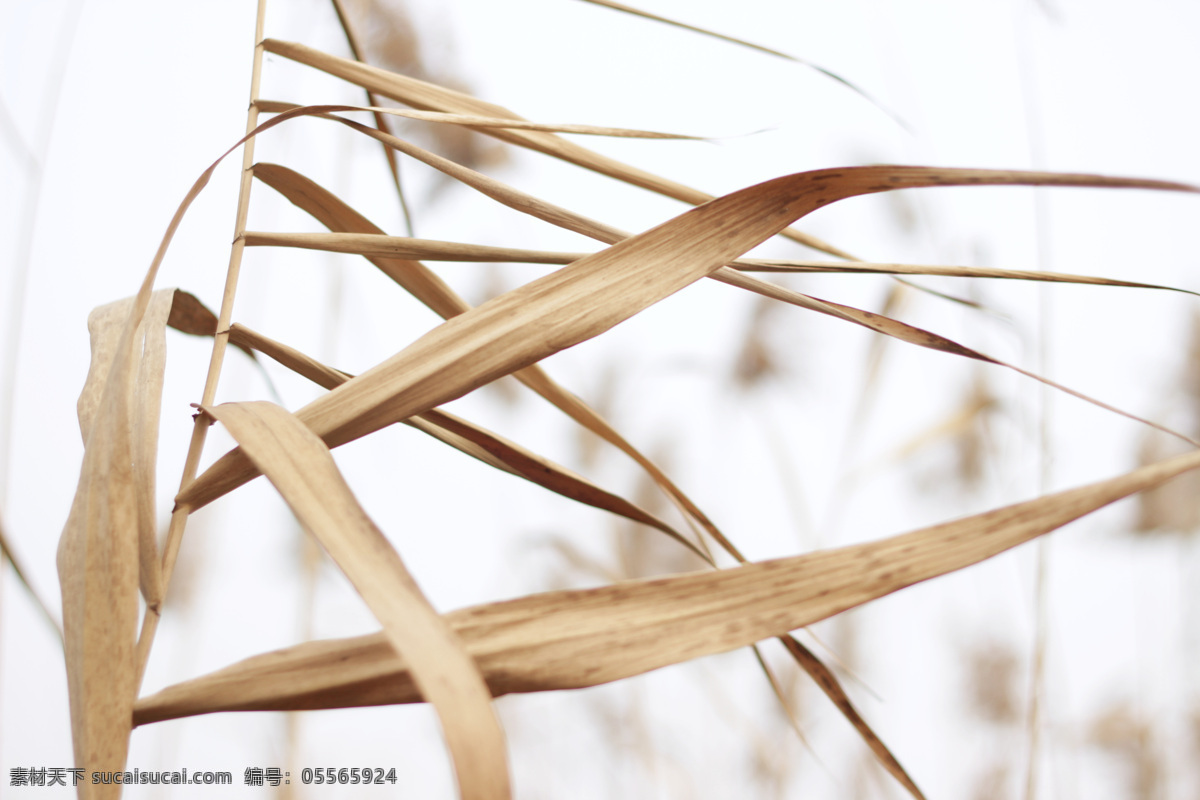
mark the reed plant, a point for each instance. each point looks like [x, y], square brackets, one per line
[677, 583]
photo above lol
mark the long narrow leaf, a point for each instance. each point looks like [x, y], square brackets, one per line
[475, 441]
[302, 469]
[379, 245]
[479, 121]
[106, 325]
[572, 639]
[108, 544]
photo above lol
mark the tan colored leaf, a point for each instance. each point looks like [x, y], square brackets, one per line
[380, 246]
[477, 121]
[365, 244]
[428, 96]
[289, 357]
[108, 545]
[106, 325]
[190, 316]
[829, 684]
[302, 469]
[579, 638]
[475, 441]
[797, 265]
[918, 336]
[591, 295]
[494, 449]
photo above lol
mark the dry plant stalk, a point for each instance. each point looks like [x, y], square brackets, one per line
[542, 642]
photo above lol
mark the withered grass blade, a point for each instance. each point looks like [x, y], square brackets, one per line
[298, 362]
[428, 96]
[106, 326]
[190, 316]
[493, 449]
[595, 293]
[472, 439]
[380, 245]
[477, 121]
[572, 639]
[918, 336]
[108, 545]
[302, 469]
[832, 688]
[798, 265]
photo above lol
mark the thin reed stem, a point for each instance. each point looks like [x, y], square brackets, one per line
[220, 342]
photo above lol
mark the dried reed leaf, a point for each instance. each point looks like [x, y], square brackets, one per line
[428, 96]
[472, 439]
[433, 250]
[302, 469]
[572, 639]
[190, 316]
[478, 121]
[799, 265]
[108, 545]
[97, 567]
[591, 295]
[380, 246]
[106, 326]
[298, 362]
[832, 687]
[494, 449]
[918, 336]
